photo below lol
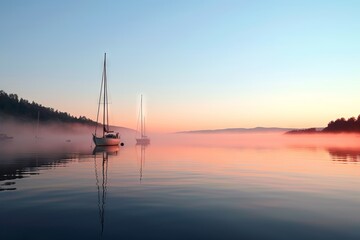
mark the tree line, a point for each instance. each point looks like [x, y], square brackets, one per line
[340, 125]
[23, 110]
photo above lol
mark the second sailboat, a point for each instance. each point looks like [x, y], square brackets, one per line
[143, 140]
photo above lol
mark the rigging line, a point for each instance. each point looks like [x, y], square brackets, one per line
[108, 102]
[97, 115]
[104, 112]
[109, 112]
[107, 105]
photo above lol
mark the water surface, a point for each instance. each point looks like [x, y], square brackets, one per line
[191, 189]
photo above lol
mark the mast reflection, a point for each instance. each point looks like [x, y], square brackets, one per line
[142, 158]
[101, 176]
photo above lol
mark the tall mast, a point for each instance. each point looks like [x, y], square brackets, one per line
[107, 104]
[104, 79]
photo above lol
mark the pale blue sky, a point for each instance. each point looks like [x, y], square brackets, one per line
[200, 64]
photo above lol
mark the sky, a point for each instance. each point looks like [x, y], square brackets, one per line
[199, 64]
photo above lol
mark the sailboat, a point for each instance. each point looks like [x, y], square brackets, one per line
[108, 138]
[143, 140]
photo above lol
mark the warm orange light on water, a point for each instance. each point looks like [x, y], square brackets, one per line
[274, 161]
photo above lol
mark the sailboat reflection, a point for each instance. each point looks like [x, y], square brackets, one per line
[101, 181]
[142, 158]
[110, 150]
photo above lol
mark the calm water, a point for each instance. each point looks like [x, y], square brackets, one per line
[186, 190]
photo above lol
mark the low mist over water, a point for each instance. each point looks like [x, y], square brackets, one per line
[187, 186]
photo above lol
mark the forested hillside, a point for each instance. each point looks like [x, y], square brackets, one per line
[23, 110]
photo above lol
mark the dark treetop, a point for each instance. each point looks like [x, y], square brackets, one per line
[340, 125]
[343, 125]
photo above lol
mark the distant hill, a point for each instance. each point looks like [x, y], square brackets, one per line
[241, 130]
[22, 110]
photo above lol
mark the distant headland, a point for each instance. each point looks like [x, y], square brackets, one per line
[341, 125]
[241, 130]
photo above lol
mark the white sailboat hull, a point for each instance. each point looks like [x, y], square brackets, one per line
[103, 141]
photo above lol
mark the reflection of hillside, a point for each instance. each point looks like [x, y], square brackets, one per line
[337, 153]
[16, 167]
[345, 154]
